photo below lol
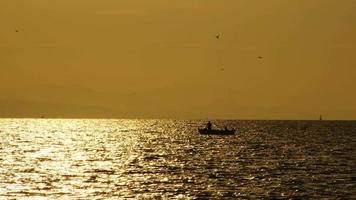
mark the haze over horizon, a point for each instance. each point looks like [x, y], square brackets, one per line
[157, 59]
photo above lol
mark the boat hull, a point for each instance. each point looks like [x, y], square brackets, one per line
[216, 132]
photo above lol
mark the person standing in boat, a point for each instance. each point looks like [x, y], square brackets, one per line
[208, 125]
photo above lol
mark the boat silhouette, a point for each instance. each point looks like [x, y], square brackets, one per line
[206, 131]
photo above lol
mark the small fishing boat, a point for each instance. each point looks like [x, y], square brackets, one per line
[205, 131]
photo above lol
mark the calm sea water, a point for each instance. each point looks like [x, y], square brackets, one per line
[168, 159]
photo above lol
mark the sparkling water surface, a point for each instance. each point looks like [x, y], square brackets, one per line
[168, 159]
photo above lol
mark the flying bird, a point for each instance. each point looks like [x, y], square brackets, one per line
[218, 36]
[260, 57]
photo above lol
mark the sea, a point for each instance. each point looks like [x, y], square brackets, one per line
[169, 159]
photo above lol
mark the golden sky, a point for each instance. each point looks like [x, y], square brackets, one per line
[159, 58]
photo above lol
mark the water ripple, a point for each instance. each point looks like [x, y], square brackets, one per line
[168, 159]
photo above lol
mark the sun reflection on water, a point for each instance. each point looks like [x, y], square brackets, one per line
[59, 159]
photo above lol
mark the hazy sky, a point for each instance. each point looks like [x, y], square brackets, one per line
[159, 58]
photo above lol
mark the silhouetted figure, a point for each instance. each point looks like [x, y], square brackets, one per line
[225, 128]
[208, 125]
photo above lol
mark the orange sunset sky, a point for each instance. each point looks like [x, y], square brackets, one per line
[275, 59]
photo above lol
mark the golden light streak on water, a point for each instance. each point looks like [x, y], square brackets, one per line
[116, 159]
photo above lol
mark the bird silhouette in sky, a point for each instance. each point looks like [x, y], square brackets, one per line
[259, 57]
[218, 36]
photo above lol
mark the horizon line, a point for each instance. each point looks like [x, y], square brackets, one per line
[173, 118]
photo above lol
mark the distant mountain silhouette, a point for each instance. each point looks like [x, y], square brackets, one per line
[70, 101]
[22, 108]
